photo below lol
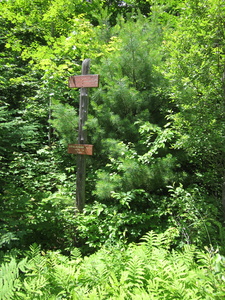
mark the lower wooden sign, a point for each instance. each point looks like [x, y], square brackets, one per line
[82, 149]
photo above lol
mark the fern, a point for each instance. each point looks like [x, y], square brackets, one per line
[187, 256]
[7, 238]
[148, 270]
[37, 262]
[35, 286]
[75, 253]
[65, 279]
[9, 279]
[140, 294]
[135, 269]
[34, 251]
[55, 258]
[95, 270]
[151, 239]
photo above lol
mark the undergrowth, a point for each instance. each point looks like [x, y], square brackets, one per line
[148, 270]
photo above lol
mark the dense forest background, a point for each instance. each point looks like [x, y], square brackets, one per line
[156, 122]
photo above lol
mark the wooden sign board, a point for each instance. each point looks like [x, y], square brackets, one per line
[80, 149]
[82, 81]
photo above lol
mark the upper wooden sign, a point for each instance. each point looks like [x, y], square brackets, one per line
[82, 81]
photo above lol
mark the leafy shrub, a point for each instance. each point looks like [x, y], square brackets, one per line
[194, 213]
[48, 221]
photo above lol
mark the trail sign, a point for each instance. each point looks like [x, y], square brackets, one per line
[80, 149]
[82, 81]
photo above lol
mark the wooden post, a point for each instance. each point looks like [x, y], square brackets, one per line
[84, 82]
[82, 138]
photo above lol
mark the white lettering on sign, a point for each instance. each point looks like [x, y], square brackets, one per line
[80, 149]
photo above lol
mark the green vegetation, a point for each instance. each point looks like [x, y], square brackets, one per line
[158, 129]
[145, 271]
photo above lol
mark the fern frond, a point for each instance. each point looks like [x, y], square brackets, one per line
[117, 287]
[135, 269]
[37, 262]
[22, 265]
[9, 279]
[75, 253]
[34, 250]
[36, 286]
[187, 256]
[149, 238]
[154, 245]
[7, 238]
[152, 239]
[80, 293]
[140, 294]
[65, 277]
[95, 268]
[55, 258]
